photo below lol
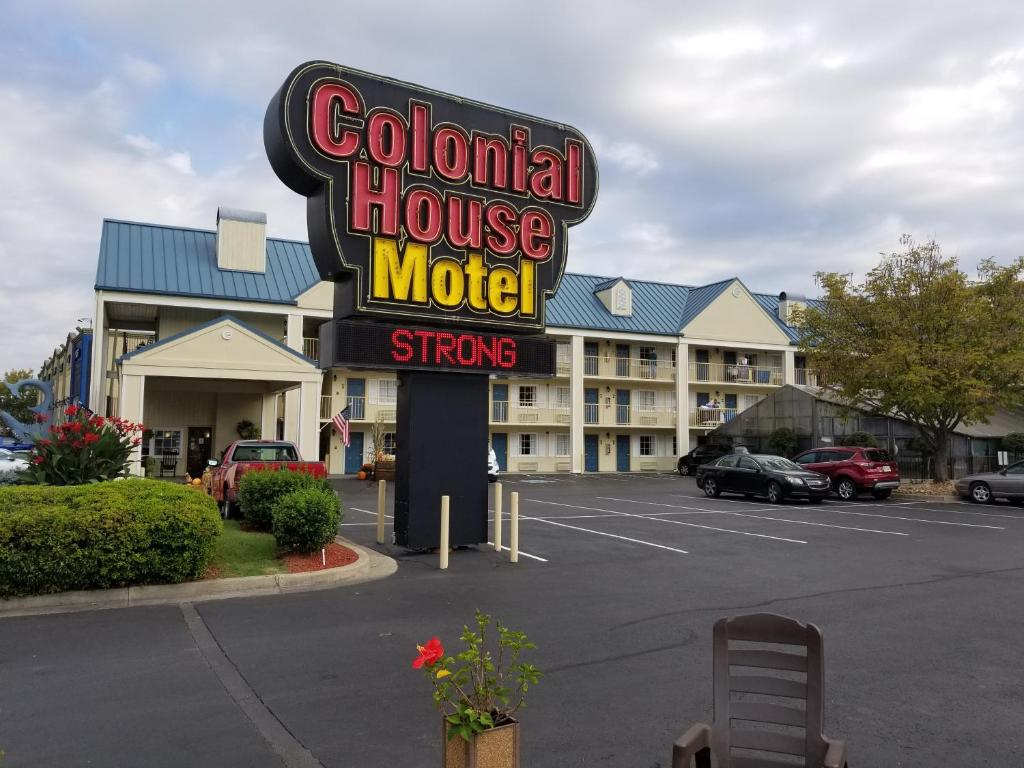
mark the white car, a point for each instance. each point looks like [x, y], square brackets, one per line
[11, 462]
[492, 466]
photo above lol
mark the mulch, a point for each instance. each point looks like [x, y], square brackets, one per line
[336, 556]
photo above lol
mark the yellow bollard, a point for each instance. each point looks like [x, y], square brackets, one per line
[444, 533]
[382, 486]
[513, 534]
[497, 517]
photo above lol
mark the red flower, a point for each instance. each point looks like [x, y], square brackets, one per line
[78, 444]
[75, 426]
[430, 654]
[38, 460]
[91, 437]
[137, 441]
[71, 410]
[97, 421]
[44, 442]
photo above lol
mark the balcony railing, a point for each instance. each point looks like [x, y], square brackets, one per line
[502, 413]
[591, 413]
[709, 418]
[805, 377]
[590, 365]
[325, 408]
[356, 408]
[563, 368]
[311, 347]
[499, 411]
[721, 373]
[629, 368]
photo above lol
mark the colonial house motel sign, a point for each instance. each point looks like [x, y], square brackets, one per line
[443, 223]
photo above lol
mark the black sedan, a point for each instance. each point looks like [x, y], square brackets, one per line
[759, 475]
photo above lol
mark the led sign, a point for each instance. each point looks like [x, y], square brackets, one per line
[426, 205]
[352, 343]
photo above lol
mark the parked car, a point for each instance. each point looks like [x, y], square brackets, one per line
[985, 487]
[702, 454]
[11, 461]
[248, 455]
[492, 466]
[854, 470]
[762, 475]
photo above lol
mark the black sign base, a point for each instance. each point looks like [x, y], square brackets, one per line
[441, 451]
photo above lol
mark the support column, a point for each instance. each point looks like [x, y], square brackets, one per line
[308, 440]
[268, 417]
[130, 406]
[98, 372]
[789, 371]
[293, 339]
[682, 398]
[576, 394]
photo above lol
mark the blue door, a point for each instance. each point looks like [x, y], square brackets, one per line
[499, 442]
[590, 358]
[499, 408]
[590, 410]
[622, 406]
[702, 359]
[590, 453]
[357, 402]
[622, 453]
[354, 453]
[622, 360]
[730, 407]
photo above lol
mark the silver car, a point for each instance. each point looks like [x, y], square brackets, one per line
[983, 488]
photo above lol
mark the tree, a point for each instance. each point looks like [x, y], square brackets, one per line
[18, 405]
[783, 441]
[1014, 442]
[919, 340]
[862, 439]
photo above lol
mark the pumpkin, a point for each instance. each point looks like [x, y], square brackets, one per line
[361, 475]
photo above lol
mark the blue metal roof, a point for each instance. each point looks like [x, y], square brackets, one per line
[771, 306]
[207, 324]
[657, 307]
[149, 258]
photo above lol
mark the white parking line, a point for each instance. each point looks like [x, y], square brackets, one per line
[914, 519]
[609, 535]
[764, 517]
[675, 522]
[357, 509]
[945, 511]
[524, 554]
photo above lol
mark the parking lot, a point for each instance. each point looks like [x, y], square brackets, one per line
[619, 583]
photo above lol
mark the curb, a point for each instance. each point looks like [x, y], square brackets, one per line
[369, 566]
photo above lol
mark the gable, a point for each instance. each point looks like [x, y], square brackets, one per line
[736, 317]
[223, 345]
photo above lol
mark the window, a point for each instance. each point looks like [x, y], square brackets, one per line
[166, 442]
[527, 444]
[645, 400]
[562, 444]
[563, 353]
[387, 391]
[1016, 469]
[270, 452]
[390, 441]
[728, 461]
[647, 443]
[747, 463]
[876, 454]
[808, 458]
[527, 397]
[675, 445]
[563, 397]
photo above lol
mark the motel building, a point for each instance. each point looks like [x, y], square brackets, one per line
[198, 331]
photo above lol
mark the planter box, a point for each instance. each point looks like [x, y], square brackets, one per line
[384, 470]
[496, 748]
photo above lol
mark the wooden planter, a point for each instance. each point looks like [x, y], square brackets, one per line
[496, 748]
[384, 469]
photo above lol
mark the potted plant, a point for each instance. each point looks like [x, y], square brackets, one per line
[478, 692]
[247, 430]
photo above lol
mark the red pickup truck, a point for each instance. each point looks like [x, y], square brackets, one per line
[247, 455]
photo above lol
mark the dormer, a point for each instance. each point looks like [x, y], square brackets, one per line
[616, 295]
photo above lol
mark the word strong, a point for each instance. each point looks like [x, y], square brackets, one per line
[425, 205]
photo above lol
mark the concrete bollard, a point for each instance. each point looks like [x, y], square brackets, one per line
[497, 517]
[382, 486]
[444, 533]
[513, 534]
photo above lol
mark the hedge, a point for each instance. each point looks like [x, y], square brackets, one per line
[112, 534]
[306, 519]
[260, 489]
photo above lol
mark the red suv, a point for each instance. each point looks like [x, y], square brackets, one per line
[854, 470]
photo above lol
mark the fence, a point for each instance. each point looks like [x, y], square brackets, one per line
[922, 467]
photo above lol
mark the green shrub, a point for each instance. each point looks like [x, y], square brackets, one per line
[84, 449]
[306, 519]
[259, 490]
[861, 439]
[115, 534]
[783, 441]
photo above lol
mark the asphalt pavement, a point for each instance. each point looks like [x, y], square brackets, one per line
[619, 584]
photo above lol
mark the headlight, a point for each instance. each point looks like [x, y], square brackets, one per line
[794, 481]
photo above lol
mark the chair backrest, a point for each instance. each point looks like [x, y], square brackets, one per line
[769, 699]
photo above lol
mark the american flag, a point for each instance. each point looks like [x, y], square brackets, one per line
[341, 424]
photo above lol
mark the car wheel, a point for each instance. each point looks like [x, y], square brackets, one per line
[880, 495]
[981, 493]
[846, 490]
[711, 488]
[774, 492]
[684, 468]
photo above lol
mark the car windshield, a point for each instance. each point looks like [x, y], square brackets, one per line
[777, 463]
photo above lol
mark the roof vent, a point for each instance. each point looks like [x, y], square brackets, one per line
[241, 240]
[788, 303]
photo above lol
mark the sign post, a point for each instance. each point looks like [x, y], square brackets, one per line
[443, 223]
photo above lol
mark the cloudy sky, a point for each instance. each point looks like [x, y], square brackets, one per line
[761, 139]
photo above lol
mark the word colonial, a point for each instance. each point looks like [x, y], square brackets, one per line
[426, 205]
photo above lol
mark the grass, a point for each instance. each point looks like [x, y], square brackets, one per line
[245, 553]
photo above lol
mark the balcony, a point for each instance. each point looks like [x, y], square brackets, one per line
[356, 408]
[591, 413]
[805, 377]
[709, 418]
[311, 347]
[628, 416]
[563, 368]
[325, 408]
[502, 413]
[720, 373]
[629, 368]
